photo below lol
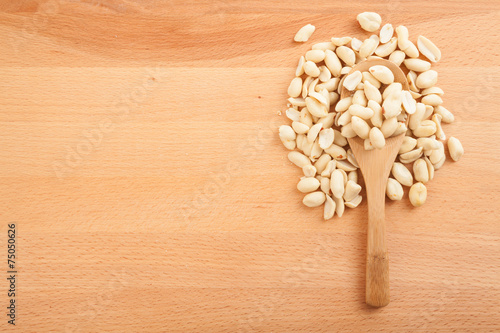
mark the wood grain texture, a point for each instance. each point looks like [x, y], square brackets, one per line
[178, 212]
[375, 166]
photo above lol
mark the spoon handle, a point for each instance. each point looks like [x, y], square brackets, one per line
[377, 260]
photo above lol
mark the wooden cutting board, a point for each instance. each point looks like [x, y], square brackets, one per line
[150, 193]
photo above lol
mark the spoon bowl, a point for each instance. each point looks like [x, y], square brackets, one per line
[375, 165]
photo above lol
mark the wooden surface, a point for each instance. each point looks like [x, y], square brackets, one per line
[182, 214]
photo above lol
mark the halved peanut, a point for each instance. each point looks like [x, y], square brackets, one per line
[402, 174]
[314, 199]
[428, 49]
[304, 33]
[386, 33]
[333, 62]
[456, 149]
[418, 194]
[315, 55]
[427, 79]
[329, 209]
[377, 138]
[346, 54]
[417, 65]
[382, 73]
[394, 190]
[369, 21]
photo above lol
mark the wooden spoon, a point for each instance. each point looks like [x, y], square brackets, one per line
[375, 166]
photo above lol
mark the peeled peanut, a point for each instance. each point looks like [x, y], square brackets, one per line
[402, 174]
[314, 199]
[418, 194]
[394, 190]
[369, 21]
[456, 149]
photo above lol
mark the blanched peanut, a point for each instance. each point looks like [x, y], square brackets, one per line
[304, 33]
[360, 127]
[332, 62]
[356, 44]
[325, 185]
[372, 92]
[456, 149]
[420, 171]
[394, 87]
[432, 100]
[316, 108]
[340, 41]
[359, 98]
[428, 49]
[326, 137]
[402, 174]
[308, 184]
[394, 190]
[367, 76]
[337, 183]
[299, 127]
[345, 166]
[323, 46]
[417, 117]
[408, 144]
[418, 194]
[339, 206]
[360, 111]
[417, 65]
[351, 190]
[411, 50]
[329, 210]
[439, 130]
[309, 170]
[403, 35]
[352, 80]
[386, 33]
[369, 21]
[443, 112]
[433, 90]
[427, 79]
[295, 87]
[377, 118]
[397, 57]
[298, 159]
[287, 136]
[392, 105]
[344, 119]
[311, 69]
[336, 152]
[347, 131]
[346, 54]
[389, 126]
[315, 55]
[368, 145]
[314, 199]
[343, 104]
[426, 129]
[322, 162]
[411, 156]
[384, 50]
[382, 73]
[377, 138]
[368, 47]
[354, 202]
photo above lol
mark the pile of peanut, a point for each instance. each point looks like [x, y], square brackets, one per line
[379, 108]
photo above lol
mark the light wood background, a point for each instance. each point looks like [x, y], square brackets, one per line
[183, 216]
